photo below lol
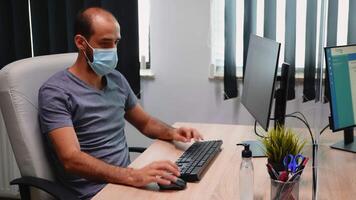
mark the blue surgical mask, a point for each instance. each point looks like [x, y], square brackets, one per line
[104, 60]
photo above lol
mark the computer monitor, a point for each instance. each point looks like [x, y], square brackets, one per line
[259, 82]
[341, 72]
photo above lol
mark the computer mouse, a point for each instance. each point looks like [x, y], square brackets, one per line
[180, 184]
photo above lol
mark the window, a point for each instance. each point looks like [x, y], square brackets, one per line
[144, 33]
[217, 34]
[342, 22]
[217, 24]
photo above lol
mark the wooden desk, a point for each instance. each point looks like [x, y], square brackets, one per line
[337, 171]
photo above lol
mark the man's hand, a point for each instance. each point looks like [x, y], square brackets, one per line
[184, 134]
[162, 172]
[157, 129]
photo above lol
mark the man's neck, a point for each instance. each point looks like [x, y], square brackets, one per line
[82, 70]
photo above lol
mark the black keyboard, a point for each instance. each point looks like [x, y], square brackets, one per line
[195, 160]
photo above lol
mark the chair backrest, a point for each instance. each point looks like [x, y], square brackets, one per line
[19, 85]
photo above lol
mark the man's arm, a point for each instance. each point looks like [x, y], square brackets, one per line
[157, 129]
[66, 145]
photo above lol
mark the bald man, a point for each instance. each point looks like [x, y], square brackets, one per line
[82, 112]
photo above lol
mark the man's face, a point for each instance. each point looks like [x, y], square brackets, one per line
[106, 34]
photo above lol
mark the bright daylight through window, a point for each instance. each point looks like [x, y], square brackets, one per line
[144, 32]
[217, 28]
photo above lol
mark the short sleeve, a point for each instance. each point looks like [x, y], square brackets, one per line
[131, 99]
[54, 108]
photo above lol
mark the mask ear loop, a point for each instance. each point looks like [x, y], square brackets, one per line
[86, 56]
[88, 44]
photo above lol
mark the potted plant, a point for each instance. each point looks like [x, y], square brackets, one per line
[280, 142]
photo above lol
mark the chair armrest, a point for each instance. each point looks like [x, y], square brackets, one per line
[137, 149]
[56, 190]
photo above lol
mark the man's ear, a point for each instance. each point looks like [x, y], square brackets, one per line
[79, 42]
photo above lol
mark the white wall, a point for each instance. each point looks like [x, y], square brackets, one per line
[180, 58]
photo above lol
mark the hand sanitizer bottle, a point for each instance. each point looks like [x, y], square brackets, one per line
[246, 174]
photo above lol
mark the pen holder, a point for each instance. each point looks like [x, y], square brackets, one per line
[285, 190]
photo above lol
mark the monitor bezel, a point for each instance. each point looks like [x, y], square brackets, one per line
[332, 127]
[273, 85]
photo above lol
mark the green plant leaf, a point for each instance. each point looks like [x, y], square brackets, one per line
[280, 142]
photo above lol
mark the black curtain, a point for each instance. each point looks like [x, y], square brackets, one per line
[351, 35]
[250, 18]
[230, 82]
[270, 19]
[15, 40]
[331, 39]
[126, 12]
[290, 41]
[53, 30]
[309, 88]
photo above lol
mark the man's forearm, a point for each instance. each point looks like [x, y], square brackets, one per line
[91, 168]
[157, 129]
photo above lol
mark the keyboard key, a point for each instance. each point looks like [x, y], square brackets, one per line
[196, 170]
[201, 163]
[196, 158]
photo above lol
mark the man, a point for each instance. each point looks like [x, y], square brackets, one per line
[82, 111]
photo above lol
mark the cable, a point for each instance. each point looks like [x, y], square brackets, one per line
[304, 120]
[297, 112]
[314, 145]
[315, 148]
[321, 132]
[292, 114]
[306, 124]
[261, 136]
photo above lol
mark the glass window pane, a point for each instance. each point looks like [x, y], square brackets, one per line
[280, 26]
[342, 22]
[144, 24]
[217, 35]
[300, 35]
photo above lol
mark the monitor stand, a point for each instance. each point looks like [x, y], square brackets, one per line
[256, 147]
[348, 143]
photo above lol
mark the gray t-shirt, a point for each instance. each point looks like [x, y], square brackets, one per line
[97, 117]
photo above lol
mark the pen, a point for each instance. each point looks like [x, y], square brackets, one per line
[295, 176]
[283, 176]
[304, 163]
[270, 174]
[274, 175]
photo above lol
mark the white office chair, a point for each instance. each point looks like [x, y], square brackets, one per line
[19, 85]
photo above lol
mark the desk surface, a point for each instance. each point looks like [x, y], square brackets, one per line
[336, 171]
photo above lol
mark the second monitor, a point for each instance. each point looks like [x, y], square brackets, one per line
[341, 71]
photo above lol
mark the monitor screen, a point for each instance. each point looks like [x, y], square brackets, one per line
[259, 78]
[341, 68]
